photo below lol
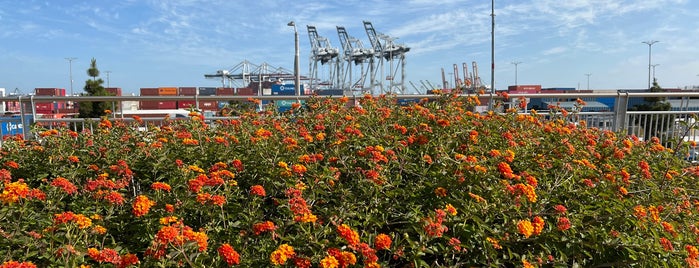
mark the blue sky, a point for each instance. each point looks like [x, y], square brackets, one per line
[174, 43]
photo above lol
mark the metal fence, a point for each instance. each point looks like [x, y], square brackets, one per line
[666, 125]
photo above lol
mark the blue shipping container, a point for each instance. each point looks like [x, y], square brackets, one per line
[207, 91]
[278, 89]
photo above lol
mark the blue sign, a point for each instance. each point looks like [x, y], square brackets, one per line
[11, 127]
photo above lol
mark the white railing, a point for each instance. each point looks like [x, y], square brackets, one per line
[663, 124]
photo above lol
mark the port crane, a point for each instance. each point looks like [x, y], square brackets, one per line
[322, 52]
[355, 59]
[391, 52]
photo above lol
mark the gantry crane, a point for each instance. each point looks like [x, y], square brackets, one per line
[322, 52]
[354, 60]
[389, 51]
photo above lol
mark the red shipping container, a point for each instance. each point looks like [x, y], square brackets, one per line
[114, 91]
[48, 92]
[523, 88]
[149, 91]
[44, 106]
[186, 104]
[63, 92]
[246, 91]
[188, 91]
[225, 91]
[156, 105]
[167, 91]
[208, 105]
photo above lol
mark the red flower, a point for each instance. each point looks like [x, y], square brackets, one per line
[229, 254]
[65, 185]
[257, 190]
[348, 234]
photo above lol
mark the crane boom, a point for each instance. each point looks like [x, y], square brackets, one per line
[373, 37]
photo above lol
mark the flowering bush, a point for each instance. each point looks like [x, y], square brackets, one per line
[334, 185]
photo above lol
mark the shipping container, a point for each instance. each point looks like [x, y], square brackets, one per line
[278, 89]
[49, 92]
[225, 91]
[331, 92]
[208, 105]
[149, 91]
[287, 103]
[246, 91]
[114, 91]
[154, 105]
[167, 91]
[186, 104]
[525, 88]
[207, 91]
[188, 91]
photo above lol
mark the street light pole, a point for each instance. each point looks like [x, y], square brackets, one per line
[297, 77]
[588, 81]
[70, 65]
[516, 63]
[650, 44]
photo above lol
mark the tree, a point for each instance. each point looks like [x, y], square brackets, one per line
[93, 87]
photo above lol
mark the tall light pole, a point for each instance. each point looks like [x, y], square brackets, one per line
[70, 65]
[297, 77]
[492, 46]
[107, 72]
[650, 44]
[588, 80]
[516, 63]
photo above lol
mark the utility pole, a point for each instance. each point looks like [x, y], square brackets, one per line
[107, 72]
[516, 63]
[70, 65]
[650, 44]
[588, 80]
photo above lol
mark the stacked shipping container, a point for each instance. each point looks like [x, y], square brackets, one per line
[49, 107]
[160, 91]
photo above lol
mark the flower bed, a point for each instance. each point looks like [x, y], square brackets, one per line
[329, 185]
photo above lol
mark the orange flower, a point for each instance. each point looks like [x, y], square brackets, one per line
[450, 209]
[692, 251]
[14, 191]
[160, 186]
[440, 191]
[525, 228]
[262, 227]
[382, 241]
[15, 264]
[73, 159]
[282, 254]
[257, 190]
[351, 236]
[494, 242]
[538, 224]
[329, 262]
[228, 253]
[667, 244]
[142, 205]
